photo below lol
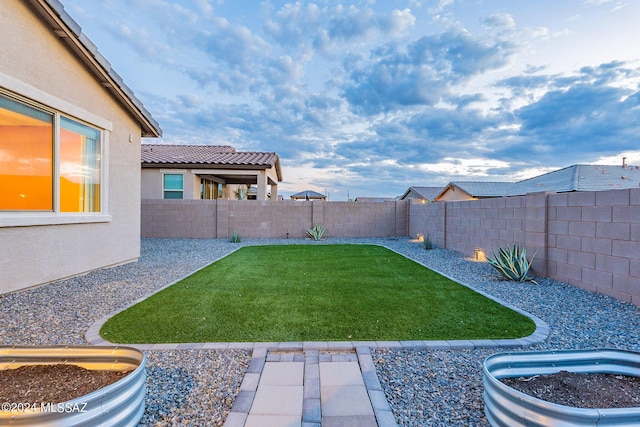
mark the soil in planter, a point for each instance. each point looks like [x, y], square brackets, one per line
[35, 384]
[581, 390]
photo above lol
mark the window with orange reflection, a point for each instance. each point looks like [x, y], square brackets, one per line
[32, 142]
[26, 157]
[79, 167]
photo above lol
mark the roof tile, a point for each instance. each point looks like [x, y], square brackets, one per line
[204, 155]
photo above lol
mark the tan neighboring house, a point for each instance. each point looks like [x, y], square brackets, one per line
[572, 178]
[471, 190]
[208, 172]
[70, 133]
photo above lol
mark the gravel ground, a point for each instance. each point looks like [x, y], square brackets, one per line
[184, 387]
[444, 388]
[197, 387]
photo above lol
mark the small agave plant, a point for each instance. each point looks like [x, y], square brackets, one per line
[316, 232]
[513, 264]
[427, 244]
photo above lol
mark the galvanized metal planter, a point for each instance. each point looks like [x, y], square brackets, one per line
[119, 404]
[505, 406]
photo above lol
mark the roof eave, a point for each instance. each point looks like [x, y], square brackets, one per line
[205, 166]
[63, 26]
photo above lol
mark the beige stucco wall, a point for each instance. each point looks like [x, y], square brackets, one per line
[32, 255]
[151, 187]
[152, 183]
[454, 195]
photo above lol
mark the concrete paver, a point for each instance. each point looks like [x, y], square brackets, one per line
[310, 388]
[282, 373]
[344, 400]
[340, 373]
[278, 400]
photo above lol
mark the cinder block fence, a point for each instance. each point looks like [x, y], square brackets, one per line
[588, 239]
[267, 219]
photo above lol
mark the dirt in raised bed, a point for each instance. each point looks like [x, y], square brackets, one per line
[581, 390]
[36, 384]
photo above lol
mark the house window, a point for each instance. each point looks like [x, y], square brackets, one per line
[48, 162]
[26, 157]
[79, 167]
[173, 185]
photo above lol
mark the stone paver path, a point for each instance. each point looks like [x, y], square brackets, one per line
[311, 388]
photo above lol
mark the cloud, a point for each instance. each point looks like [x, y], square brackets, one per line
[365, 97]
[397, 23]
[423, 72]
[577, 117]
[310, 29]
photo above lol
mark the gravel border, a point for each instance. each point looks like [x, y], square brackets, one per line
[444, 388]
[197, 387]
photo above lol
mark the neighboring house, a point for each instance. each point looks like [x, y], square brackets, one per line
[424, 194]
[572, 178]
[580, 178]
[207, 172]
[472, 190]
[70, 133]
[308, 195]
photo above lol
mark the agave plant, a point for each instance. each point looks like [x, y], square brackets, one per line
[427, 244]
[513, 264]
[316, 232]
[235, 237]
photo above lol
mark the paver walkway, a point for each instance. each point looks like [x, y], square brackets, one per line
[311, 388]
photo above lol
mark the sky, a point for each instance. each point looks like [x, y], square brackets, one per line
[367, 98]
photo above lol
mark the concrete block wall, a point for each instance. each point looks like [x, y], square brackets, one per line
[267, 219]
[428, 219]
[365, 219]
[594, 241]
[490, 224]
[587, 239]
[178, 218]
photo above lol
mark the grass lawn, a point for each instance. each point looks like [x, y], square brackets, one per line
[314, 293]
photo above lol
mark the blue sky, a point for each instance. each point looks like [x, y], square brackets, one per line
[367, 98]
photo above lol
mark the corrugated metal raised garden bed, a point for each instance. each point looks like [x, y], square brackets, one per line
[120, 403]
[508, 407]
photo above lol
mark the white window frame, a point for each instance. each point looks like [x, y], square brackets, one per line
[39, 99]
[177, 172]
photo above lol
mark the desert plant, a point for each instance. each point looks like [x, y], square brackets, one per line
[235, 237]
[316, 232]
[513, 264]
[427, 243]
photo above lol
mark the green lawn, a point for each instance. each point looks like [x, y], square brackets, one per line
[314, 293]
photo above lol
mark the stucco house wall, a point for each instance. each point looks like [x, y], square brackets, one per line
[152, 183]
[38, 248]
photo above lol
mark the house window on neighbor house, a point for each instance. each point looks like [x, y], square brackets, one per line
[173, 186]
[48, 162]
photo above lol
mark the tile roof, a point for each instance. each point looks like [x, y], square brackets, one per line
[224, 155]
[63, 25]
